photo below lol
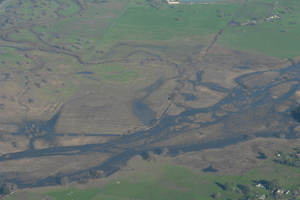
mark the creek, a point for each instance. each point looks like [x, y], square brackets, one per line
[162, 131]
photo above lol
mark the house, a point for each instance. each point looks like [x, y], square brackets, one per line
[262, 197]
[287, 192]
[258, 185]
[172, 2]
[279, 191]
[278, 155]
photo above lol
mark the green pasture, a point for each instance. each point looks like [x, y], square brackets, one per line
[170, 182]
[24, 35]
[294, 5]
[109, 197]
[71, 9]
[251, 11]
[148, 23]
[13, 60]
[82, 33]
[160, 181]
[43, 11]
[278, 38]
[73, 194]
[26, 196]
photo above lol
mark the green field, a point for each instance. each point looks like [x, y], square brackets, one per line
[148, 23]
[278, 38]
[74, 194]
[14, 61]
[164, 181]
[41, 11]
[72, 8]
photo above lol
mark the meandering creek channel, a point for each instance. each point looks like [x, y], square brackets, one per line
[161, 131]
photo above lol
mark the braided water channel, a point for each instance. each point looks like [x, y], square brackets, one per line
[259, 96]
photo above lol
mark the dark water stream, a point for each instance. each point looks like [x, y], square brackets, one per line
[259, 96]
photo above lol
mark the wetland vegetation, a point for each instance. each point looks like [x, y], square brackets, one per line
[136, 99]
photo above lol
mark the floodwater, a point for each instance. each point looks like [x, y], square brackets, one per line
[85, 72]
[162, 131]
[188, 96]
[209, 169]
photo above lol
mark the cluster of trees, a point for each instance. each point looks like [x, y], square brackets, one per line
[221, 13]
[5, 135]
[96, 174]
[6, 188]
[292, 163]
[158, 4]
[62, 180]
[150, 156]
[246, 189]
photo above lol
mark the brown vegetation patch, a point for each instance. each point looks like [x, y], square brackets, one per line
[231, 160]
[205, 97]
[202, 117]
[282, 88]
[35, 169]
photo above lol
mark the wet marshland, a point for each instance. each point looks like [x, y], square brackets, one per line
[244, 100]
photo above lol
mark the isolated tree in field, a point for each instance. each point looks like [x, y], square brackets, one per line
[220, 11]
[227, 186]
[221, 15]
[178, 18]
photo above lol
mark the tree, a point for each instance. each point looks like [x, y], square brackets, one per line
[180, 152]
[97, 174]
[165, 152]
[64, 181]
[273, 184]
[220, 11]
[4, 190]
[178, 18]
[227, 186]
[247, 189]
[221, 15]
[281, 135]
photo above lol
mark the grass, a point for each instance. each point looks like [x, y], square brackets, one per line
[72, 8]
[82, 33]
[160, 181]
[249, 11]
[173, 182]
[24, 35]
[73, 194]
[279, 38]
[294, 5]
[28, 11]
[26, 196]
[13, 59]
[148, 23]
